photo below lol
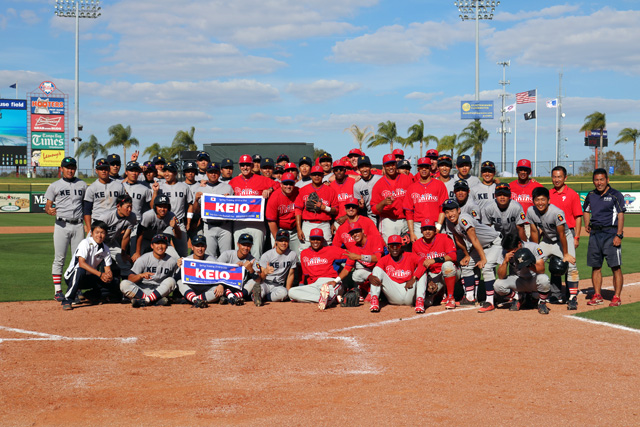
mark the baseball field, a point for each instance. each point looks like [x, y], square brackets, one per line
[290, 364]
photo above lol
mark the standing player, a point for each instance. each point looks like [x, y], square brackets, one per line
[121, 223]
[398, 154]
[199, 295]
[445, 163]
[466, 203]
[504, 214]
[281, 212]
[140, 193]
[343, 186]
[464, 165]
[277, 271]
[226, 170]
[484, 192]
[67, 194]
[363, 189]
[114, 167]
[156, 221]
[325, 161]
[310, 215]
[202, 160]
[100, 197]
[522, 188]
[433, 156]
[304, 164]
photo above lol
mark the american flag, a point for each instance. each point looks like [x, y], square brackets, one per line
[526, 97]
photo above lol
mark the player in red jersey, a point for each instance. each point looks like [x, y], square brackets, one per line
[342, 236]
[424, 200]
[433, 156]
[363, 254]
[353, 159]
[250, 184]
[317, 261]
[396, 275]
[438, 252]
[281, 213]
[343, 186]
[522, 188]
[387, 198]
[320, 216]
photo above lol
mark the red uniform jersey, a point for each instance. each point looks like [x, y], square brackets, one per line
[522, 193]
[373, 246]
[425, 200]
[326, 194]
[344, 192]
[317, 264]
[440, 246]
[252, 186]
[404, 269]
[569, 201]
[342, 235]
[396, 189]
[281, 208]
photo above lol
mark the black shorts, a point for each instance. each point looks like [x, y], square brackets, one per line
[600, 247]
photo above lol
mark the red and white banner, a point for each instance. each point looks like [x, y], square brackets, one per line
[47, 123]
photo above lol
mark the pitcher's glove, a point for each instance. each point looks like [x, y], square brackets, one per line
[311, 202]
[432, 287]
[351, 298]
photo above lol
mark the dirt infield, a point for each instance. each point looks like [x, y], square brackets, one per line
[291, 364]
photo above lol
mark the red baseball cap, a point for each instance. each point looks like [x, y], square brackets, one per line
[351, 201]
[316, 169]
[388, 158]
[398, 152]
[355, 152]
[432, 153]
[524, 163]
[338, 164]
[394, 239]
[288, 177]
[316, 232]
[424, 161]
[245, 158]
[290, 166]
[427, 222]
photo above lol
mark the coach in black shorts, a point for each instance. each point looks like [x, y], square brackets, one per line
[604, 221]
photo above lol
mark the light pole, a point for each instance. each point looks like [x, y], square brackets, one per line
[477, 9]
[503, 130]
[77, 9]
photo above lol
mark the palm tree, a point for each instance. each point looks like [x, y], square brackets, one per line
[593, 121]
[387, 134]
[627, 135]
[91, 148]
[473, 138]
[121, 137]
[152, 150]
[416, 134]
[447, 142]
[360, 135]
[183, 141]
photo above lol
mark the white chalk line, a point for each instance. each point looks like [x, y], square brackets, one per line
[42, 336]
[610, 325]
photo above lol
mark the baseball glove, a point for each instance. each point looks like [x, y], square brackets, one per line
[311, 202]
[351, 298]
[432, 287]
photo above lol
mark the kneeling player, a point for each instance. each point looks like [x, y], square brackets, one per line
[199, 295]
[277, 270]
[527, 261]
[395, 275]
[363, 253]
[241, 256]
[151, 278]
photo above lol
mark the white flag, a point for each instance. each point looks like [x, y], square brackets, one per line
[510, 108]
[552, 103]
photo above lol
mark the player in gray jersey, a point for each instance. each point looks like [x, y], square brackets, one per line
[480, 245]
[242, 256]
[219, 233]
[466, 203]
[67, 195]
[202, 161]
[277, 272]
[181, 199]
[141, 194]
[363, 188]
[100, 197]
[199, 295]
[549, 229]
[444, 168]
[114, 167]
[504, 214]
[121, 223]
[484, 192]
[226, 170]
[160, 220]
[464, 165]
[152, 276]
[190, 170]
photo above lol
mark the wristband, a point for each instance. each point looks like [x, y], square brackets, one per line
[439, 259]
[366, 258]
[338, 280]
[438, 226]
[189, 215]
[327, 209]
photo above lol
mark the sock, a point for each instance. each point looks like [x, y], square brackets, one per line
[227, 292]
[57, 282]
[153, 296]
[190, 295]
[450, 283]
[469, 287]
[543, 297]
[238, 294]
[488, 286]
[573, 289]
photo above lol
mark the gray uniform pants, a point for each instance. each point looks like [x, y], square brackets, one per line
[130, 289]
[535, 283]
[395, 292]
[572, 272]
[181, 244]
[65, 235]
[308, 226]
[309, 293]
[274, 291]
[116, 256]
[219, 237]
[492, 253]
[389, 227]
[256, 229]
[361, 273]
[207, 292]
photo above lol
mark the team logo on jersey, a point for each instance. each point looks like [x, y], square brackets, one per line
[522, 215]
[464, 222]
[315, 261]
[560, 217]
[397, 273]
[474, 213]
[539, 251]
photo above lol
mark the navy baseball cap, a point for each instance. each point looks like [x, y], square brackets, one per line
[404, 164]
[203, 155]
[68, 162]
[503, 189]
[445, 159]
[134, 166]
[304, 160]
[282, 157]
[102, 164]
[267, 162]
[461, 185]
[113, 159]
[159, 160]
[487, 166]
[226, 163]
[325, 156]
[160, 238]
[450, 204]
[212, 167]
[256, 158]
[161, 199]
[198, 240]
[246, 239]
[463, 160]
[364, 161]
[171, 167]
[149, 165]
[278, 169]
[188, 165]
[282, 235]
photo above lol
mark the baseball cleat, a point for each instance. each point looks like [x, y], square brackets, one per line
[66, 305]
[555, 300]
[200, 303]
[486, 306]
[465, 301]
[325, 296]
[572, 304]
[595, 300]
[162, 302]
[223, 300]
[419, 305]
[515, 305]
[59, 296]
[375, 304]
[450, 303]
[256, 294]
[615, 302]
[138, 302]
[542, 307]
[428, 300]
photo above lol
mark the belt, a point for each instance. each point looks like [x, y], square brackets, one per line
[602, 227]
[70, 221]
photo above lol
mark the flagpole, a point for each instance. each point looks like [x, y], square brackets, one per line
[515, 137]
[16, 89]
[535, 140]
[557, 137]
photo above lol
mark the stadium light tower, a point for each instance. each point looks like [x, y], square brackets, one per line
[476, 9]
[77, 9]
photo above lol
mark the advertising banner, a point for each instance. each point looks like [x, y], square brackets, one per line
[47, 141]
[38, 201]
[476, 110]
[13, 104]
[46, 105]
[232, 208]
[632, 202]
[196, 272]
[47, 158]
[14, 202]
[47, 123]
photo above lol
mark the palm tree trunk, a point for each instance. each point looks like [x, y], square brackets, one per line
[634, 156]
[124, 159]
[391, 144]
[420, 148]
[93, 162]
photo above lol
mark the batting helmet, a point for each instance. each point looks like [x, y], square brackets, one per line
[524, 258]
[557, 267]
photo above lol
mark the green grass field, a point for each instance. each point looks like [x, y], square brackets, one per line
[625, 315]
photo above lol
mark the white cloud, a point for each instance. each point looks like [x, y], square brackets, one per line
[552, 11]
[29, 17]
[152, 117]
[421, 96]
[321, 90]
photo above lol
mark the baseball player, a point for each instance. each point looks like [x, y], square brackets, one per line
[292, 169]
[318, 214]
[181, 199]
[445, 163]
[424, 200]
[325, 161]
[504, 214]
[342, 236]
[281, 211]
[484, 192]
[404, 167]
[121, 223]
[522, 188]
[438, 254]
[141, 194]
[226, 170]
[433, 155]
[396, 275]
[218, 233]
[480, 245]
[266, 167]
[343, 186]
[256, 159]
[159, 162]
[199, 295]
[353, 157]
[466, 203]
[277, 271]
[526, 260]
[114, 167]
[282, 160]
[362, 254]
[202, 160]
[149, 174]
[67, 194]
[304, 165]
[82, 272]
[153, 222]
[100, 197]
[398, 154]
[250, 184]
[323, 287]
[190, 170]
[241, 256]
[387, 199]
[152, 276]
[549, 229]
[464, 165]
[363, 189]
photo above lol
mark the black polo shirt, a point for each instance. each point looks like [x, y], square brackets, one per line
[604, 208]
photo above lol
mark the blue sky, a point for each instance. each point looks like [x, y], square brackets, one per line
[291, 71]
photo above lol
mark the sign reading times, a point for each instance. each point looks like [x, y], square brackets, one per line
[47, 141]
